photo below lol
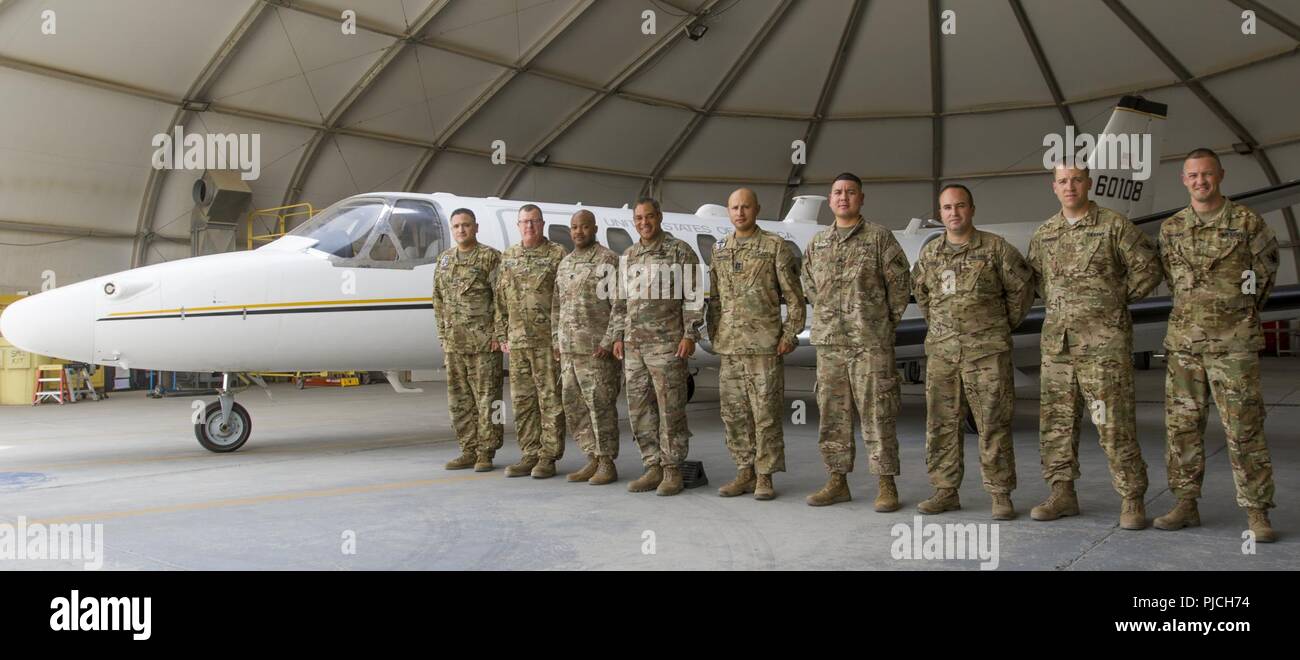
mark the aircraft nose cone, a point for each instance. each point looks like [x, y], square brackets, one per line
[58, 323]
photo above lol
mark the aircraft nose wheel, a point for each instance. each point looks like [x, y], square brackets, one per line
[221, 436]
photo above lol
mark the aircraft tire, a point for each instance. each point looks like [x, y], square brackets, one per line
[219, 438]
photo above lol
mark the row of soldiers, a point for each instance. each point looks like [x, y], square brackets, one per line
[566, 335]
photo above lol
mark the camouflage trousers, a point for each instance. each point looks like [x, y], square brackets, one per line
[1233, 380]
[849, 379]
[752, 392]
[989, 387]
[1101, 385]
[656, 402]
[473, 390]
[535, 396]
[590, 390]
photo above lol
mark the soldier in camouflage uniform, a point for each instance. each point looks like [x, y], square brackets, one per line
[1221, 260]
[751, 274]
[1089, 263]
[856, 277]
[464, 304]
[589, 317]
[973, 288]
[665, 309]
[525, 298]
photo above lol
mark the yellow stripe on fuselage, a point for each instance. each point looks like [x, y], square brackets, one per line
[279, 304]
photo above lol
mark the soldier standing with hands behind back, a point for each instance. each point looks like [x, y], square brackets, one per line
[856, 277]
[973, 288]
[589, 316]
[1221, 259]
[752, 272]
[465, 306]
[526, 329]
[1089, 263]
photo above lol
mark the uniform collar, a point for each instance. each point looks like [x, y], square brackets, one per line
[731, 237]
[1223, 218]
[655, 244]
[856, 228]
[586, 254]
[975, 241]
[539, 246]
[1089, 219]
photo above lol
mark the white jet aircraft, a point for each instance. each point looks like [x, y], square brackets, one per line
[349, 290]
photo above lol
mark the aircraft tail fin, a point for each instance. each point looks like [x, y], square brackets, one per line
[806, 208]
[1126, 155]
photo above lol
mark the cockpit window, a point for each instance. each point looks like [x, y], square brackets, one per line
[342, 230]
[358, 233]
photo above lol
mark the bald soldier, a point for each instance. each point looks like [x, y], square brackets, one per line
[1089, 263]
[1221, 259]
[856, 277]
[751, 274]
[463, 302]
[973, 288]
[525, 327]
[589, 318]
[665, 309]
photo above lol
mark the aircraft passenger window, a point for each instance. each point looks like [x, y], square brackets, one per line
[706, 243]
[560, 234]
[618, 239]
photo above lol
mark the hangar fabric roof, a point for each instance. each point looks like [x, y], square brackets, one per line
[591, 108]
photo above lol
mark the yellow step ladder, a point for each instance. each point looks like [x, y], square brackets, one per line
[51, 387]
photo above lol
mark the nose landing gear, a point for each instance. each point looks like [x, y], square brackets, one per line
[224, 425]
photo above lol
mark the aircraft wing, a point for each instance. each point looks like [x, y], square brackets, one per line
[1261, 201]
[911, 332]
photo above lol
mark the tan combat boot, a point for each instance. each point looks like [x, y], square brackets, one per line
[606, 473]
[887, 499]
[743, 483]
[462, 462]
[944, 499]
[545, 468]
[1062, 502]
[672, 482]
[648, 481]
[835, 491]
[763, 489]
[1133, 514]
[587, 470]
[1260, 525]
[523, 468]
[1002, 509]
[1184, 514]
[484, 462]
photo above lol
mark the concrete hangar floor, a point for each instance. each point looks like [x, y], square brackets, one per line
[326, 465]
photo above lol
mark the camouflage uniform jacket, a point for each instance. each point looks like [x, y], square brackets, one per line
[748, 281]
[1087, 275]
[972, 295]
[858, 285]
[671, 307]
[463, 298]
[525, 294]
[588, 312]
[1217, 302]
